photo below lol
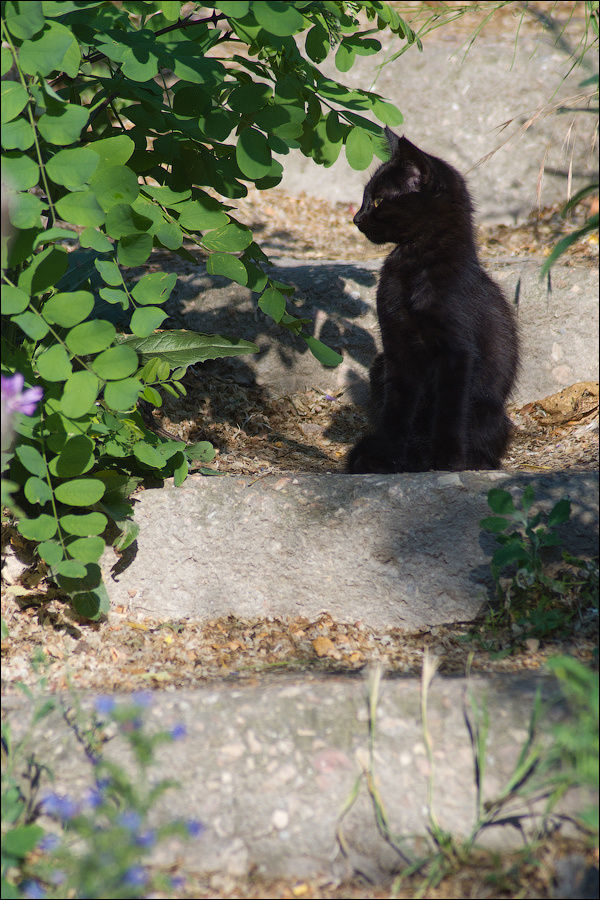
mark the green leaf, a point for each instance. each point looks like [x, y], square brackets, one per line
[25, 211]
[253, 153]
[560, 513]
[145, 321]
[322, 352]
[235, 9]
[51, 552]
[495, 524]
[122, 395]
[273, 304]
[14, 98]
[115, 296]
[32, 324]
[79, 394]
[71, 568]
[169, 234]
[19, 172]
[14, 300]
[114, 184]
[20, 841]
[17, 135]
[73, 168]
[31, 459]
[185, 348]
[80, 208]
[134, 249]
[154, 288]
[91, 604]
[76, 457]
[387, 112]
[227, 265]
[86, 549]
[55, 50]
[37, 490]
[278, 18]
[510, 553]
[202, 450]
[249, 98]
[90, 337]
[317, 43]
[79, 491]
[114, 151]
[54, 364]
[122, 220]
[148, 455]
[500, 502]
[6, 61]
[63, 124]
[116, 363]
[197, 215]
[44, 271]
[84, 525]
[359, 148]
[344, 57]
[40, 529]
[109, 272]
[24, 19]
[232, 237]
[69, 309]
[97, 240]
[54, 234]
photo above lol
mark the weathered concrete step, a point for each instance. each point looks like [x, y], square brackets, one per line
[558, 326]
[267, 767]
[394, 550]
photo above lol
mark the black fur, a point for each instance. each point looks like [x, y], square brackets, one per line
[450, 348]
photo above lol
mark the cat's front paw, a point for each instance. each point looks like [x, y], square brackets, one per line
[373, 454]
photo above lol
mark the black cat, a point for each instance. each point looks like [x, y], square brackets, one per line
[450, 347]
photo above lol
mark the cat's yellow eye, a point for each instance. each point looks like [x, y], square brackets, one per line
[376, 201]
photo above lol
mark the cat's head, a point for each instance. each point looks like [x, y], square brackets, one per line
[411, 195]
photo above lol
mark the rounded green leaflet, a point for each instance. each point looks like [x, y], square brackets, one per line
[109, 272]
[344, 58]
[278, 18]
[317, 43]
[75, 458]
[20, 172]
[18, 135]
[145, 321]
[122, 395]
[322, 352]
[148, 455]
[359, 149]
[116, 363]
[54, 234]
[196, 215]
[80, 208]
[228, 265]
[71, 568]
[111, 295]
[51, 552]
[54, 364]
[32, 324]
[44, 271]
[85, 524]
[139, 64]
[40, 529]
[253, 153]
[6, 58]
[24, 20]
[14, 300]
[231, 237]
[97, 240]
[114, 184]
[37, 490]
[122, 219]
[387, 112]
[55, 50]
[272, 302]
[91, 337]
[26, 210]
[31, 459]
[169, 234]
[14, 98]
[86, 549]
[63, 125]
[70, 309]
[73, 167]
[134, 249]
[79, 394]
[79, 491]
[154, 288]
[234, 9]
[114, 151]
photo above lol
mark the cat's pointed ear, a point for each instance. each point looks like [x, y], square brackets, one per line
[392, 139]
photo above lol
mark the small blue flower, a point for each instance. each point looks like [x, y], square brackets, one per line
[59, 805]
[194, 827]
[178, 732]
[177, 882]
[104, 704]
[48, 843]
[136, 876]
[130, 819]
[146, 838]
[142, 698]
[103, 783]
[94, 798]
[32, 890]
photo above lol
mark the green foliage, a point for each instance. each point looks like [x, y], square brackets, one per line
[101, 844]
[127, 128]
[531, 602]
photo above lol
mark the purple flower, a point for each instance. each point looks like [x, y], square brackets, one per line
[194, 828]
[104, 704]
[48, 843]
[135, 876]
[177, 882]
[15, 399]
[178, 732]
[94, 798]
[130, 819]
[146, 838]
[142, 698]
[32, 890]
[59, 805]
